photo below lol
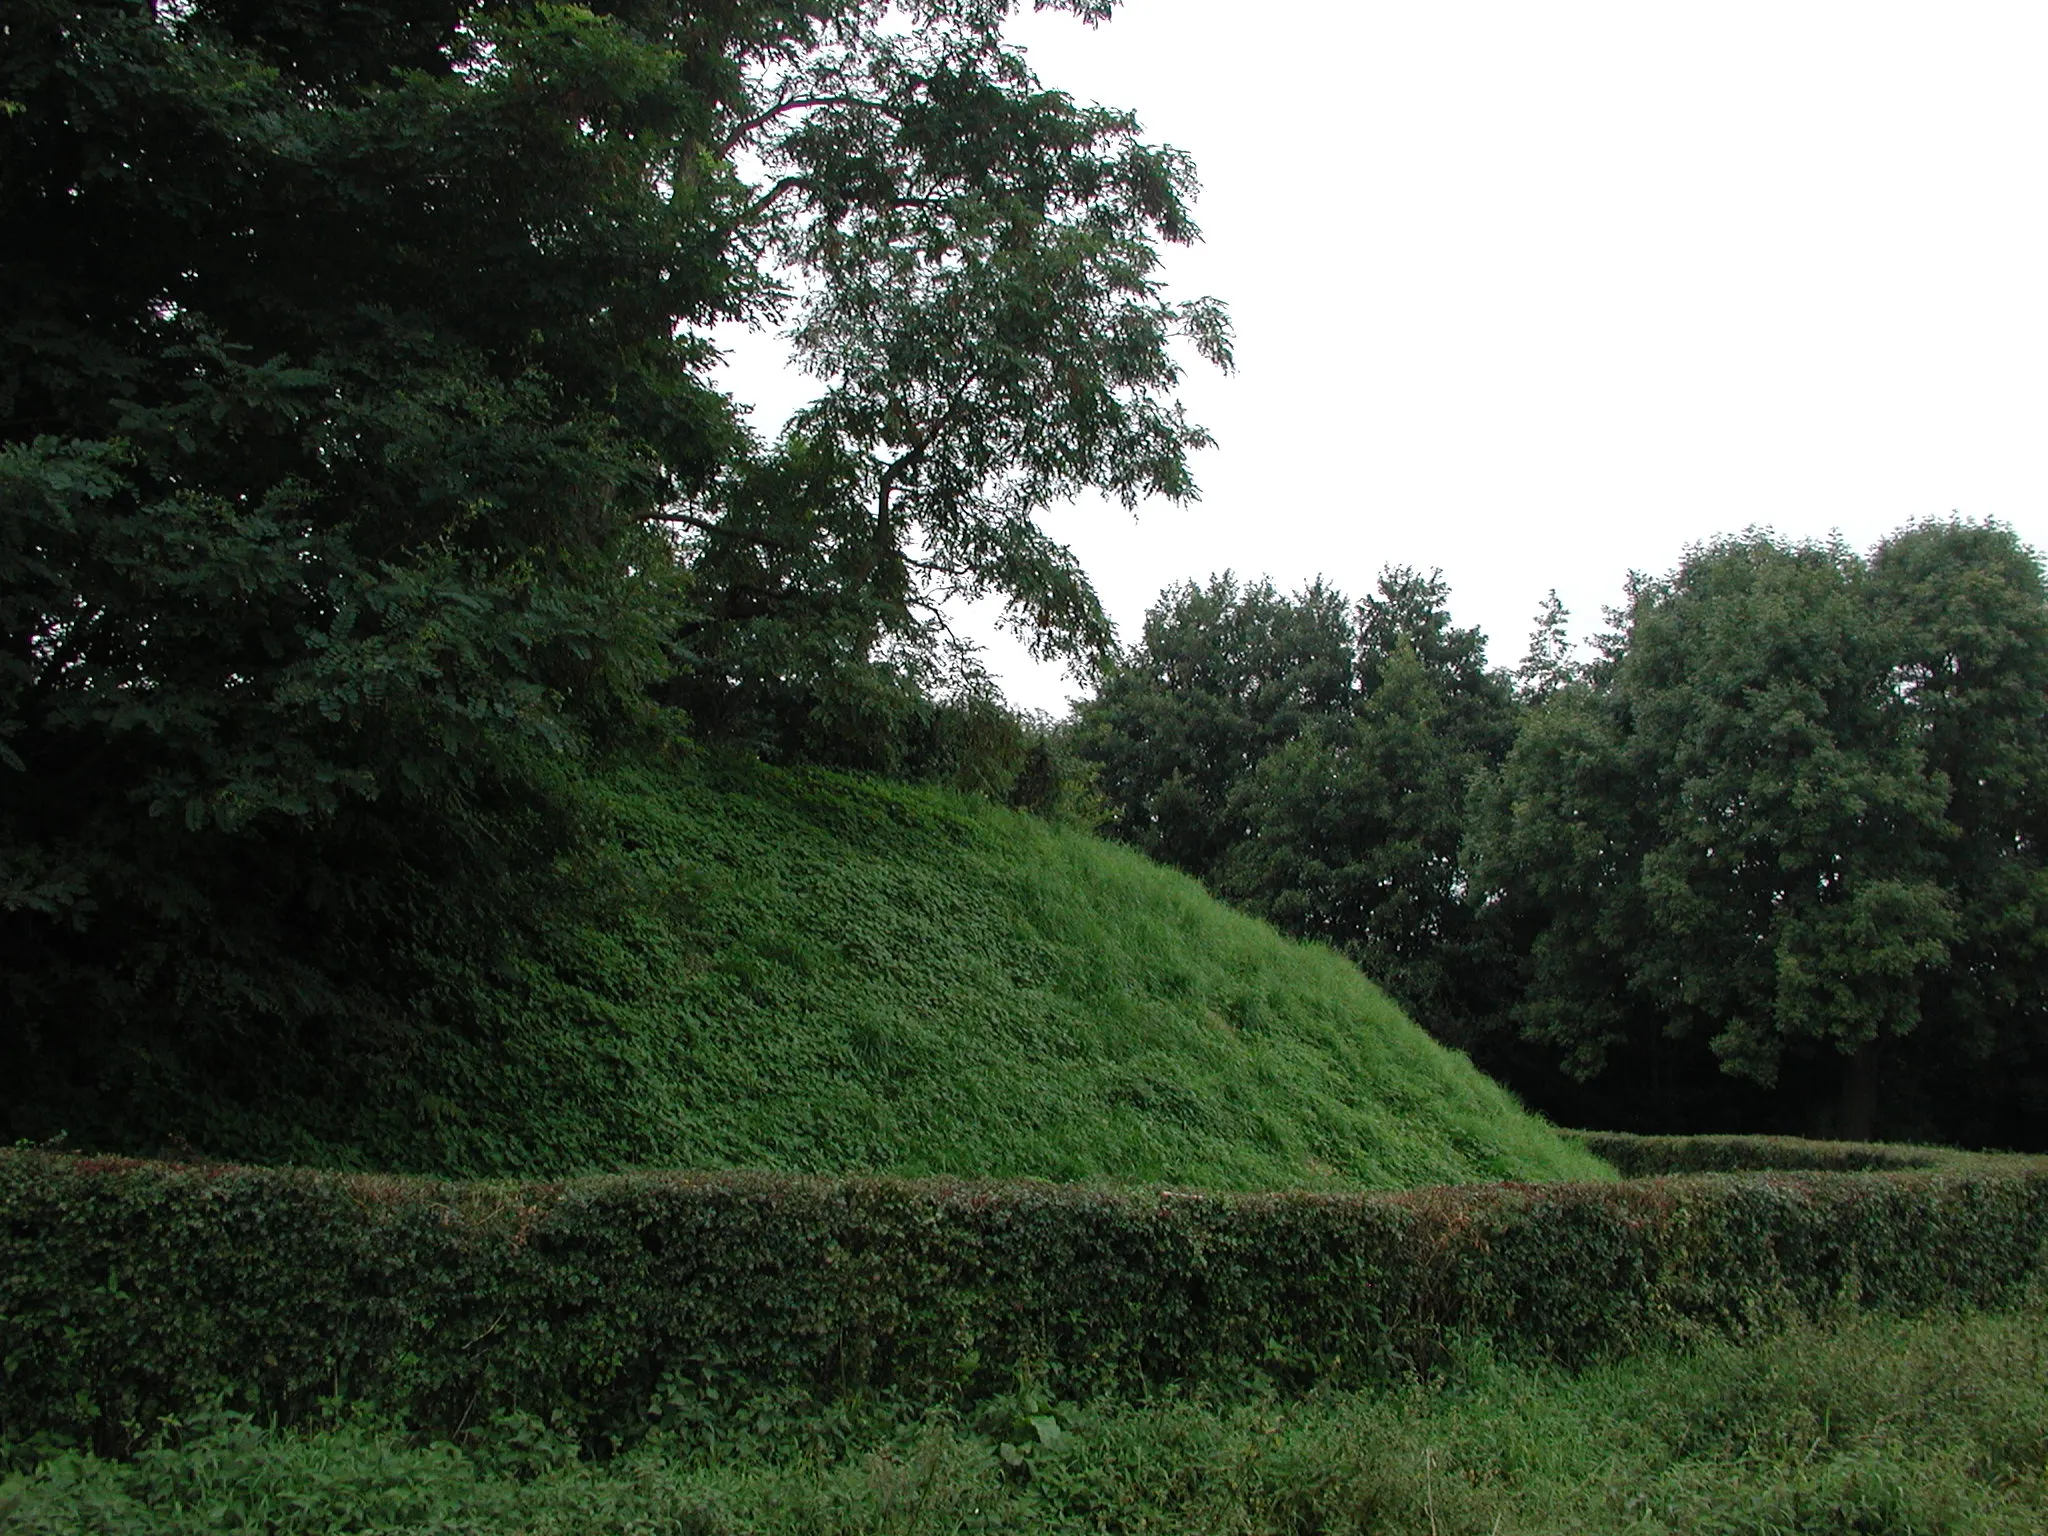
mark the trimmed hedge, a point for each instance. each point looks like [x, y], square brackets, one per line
[1642, 1157]
[133, 1290]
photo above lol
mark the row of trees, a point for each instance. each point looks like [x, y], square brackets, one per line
[1772, 856]
[361, 463]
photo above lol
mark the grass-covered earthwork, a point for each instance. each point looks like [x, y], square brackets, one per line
[818, 972]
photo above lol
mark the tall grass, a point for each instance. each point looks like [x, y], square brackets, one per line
[1878, 1426]
[817, 972]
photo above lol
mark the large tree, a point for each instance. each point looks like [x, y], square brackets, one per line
[968, 264]
[1224, 675]
[1969, 619]
[359, 462]
[1308, 758]
[1793, 816]
[1354, 838]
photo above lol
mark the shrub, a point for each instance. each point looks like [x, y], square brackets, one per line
[1642, 1157]
[132, 1290]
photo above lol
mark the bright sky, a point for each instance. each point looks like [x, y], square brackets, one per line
[1540, 294]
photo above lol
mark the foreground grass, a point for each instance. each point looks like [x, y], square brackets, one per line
[1880, 1427]
[822, 973]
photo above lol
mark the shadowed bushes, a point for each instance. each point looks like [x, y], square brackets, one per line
[131, 1290]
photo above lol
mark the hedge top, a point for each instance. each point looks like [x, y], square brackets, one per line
[130, 1290]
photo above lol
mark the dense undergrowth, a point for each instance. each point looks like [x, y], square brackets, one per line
[1876, 1426]
[811, 971]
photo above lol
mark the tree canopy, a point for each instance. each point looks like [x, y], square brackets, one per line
[968, 263]
[1770, 859]
[360, 459]
[1308, 757]
[1762, 823]
[1223, 675]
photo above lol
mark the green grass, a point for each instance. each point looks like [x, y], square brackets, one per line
[1879, 1426]
[819, 972]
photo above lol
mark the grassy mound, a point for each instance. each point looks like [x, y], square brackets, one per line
[819, 972]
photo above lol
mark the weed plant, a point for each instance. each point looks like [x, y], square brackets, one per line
[811, 971]
[1874, 1426]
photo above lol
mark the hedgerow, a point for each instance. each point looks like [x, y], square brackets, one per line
[1641, 1157]
[132, 1290]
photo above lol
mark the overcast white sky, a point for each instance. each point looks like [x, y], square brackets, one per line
[1538, 294]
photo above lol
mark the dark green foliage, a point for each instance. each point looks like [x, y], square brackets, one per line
[1355, 831]
[135, 1290]
[1970, 618]
[968, 263]
[1548, 664]
[1224, 676]
[341, 368]
[1789, 877]
[358, 468]
[1770, 860]
[910, 722]
[1874, 1425]
[816, 972]
[1410, 612]
[1788, 827]
[1308, 760]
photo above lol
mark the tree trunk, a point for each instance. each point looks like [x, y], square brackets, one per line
[1856, 1117]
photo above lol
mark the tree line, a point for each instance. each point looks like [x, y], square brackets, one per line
[1768, 857]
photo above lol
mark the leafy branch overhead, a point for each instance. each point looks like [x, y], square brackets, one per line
[967, 262]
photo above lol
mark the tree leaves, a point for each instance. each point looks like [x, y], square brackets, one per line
[1309, 760]
[361, 462]
[970, 263]
[1762, 823]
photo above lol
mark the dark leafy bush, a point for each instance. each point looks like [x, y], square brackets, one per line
[130, 1290]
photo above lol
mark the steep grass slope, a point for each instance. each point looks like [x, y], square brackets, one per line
[821, 972]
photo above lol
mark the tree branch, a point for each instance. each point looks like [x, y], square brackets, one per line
[914, 451]
[761, 204]
[688, 520]
[742, 131]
